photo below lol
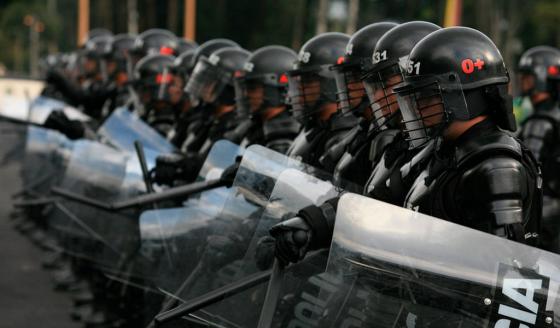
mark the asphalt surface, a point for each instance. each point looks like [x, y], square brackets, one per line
[27, 298]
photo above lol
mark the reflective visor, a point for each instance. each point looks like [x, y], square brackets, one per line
[349, 86]
[379, 87]
[427, 106]
[207, 81]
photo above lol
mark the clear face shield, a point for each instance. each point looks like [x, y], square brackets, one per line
[308, 91]
[206, 82]
[429, 105]
[156, 89]
[379, 86]
[350, 91]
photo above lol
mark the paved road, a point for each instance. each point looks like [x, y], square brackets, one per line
[26, 295]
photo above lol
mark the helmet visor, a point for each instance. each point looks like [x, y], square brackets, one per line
[308, 90]
[206, 82]
[427, 106]
[350, 90]
[379, 87]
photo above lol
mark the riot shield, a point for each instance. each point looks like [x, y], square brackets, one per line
[46, 153]
[228, 233]
[293, 191]
[14, 108]
[92, 234]
[392, 267]
[41, 107]
[169, 235]
[122, 128]
[231, 239]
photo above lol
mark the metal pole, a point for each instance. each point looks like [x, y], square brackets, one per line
[189, 24]
[83, 21]
[132, 6]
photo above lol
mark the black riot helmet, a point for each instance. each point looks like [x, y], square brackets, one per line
[118, 52]
[263, 81]
[95, 32]
[153, 77]
[208, 47]
[155, 41]
[454, 74]
[542, 65]
[351, 96]
[212, 78]
[387, 62]
[185, 45]
[94, 52]
[311, 81]
[183, 64]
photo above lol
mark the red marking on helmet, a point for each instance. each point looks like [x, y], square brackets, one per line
[163, 78]
[340, 60]
[479, 64]
[468, 65]
[166, 51]
[553, 70]
[283, 78]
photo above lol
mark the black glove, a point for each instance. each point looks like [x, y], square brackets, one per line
[293, 238]
[176, 167]
[312, 229]
[54, 77]
[168, 168]
[57, 120]
[264, 253]
[230, 172]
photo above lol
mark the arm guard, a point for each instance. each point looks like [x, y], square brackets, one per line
[496, 194]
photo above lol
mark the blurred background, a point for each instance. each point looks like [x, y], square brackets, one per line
[30, 29]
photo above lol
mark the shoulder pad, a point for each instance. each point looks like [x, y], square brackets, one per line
[499, 142]
[343, 122]
[281, 126]
[380, 142]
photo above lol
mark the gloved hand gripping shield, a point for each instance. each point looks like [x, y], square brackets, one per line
[268, 188]
[392, 267]
[170, 235]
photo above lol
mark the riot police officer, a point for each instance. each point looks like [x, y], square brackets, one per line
[312, 93]
[350, 157]
[211, 83]
[539, 68]
[191, 128]
[262, 107]
[478, 176]
[154, 41]
[158, 92]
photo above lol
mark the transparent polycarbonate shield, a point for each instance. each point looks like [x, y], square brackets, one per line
[14, 108]
[167, 234]
[41, 107]
[46, 153]
[293, 191]
[12, 151]
[228, 234]
[97, 235]
[222, 155]
[122, 128]
[392, 267]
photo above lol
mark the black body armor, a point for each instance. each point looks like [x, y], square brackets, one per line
[487, 181]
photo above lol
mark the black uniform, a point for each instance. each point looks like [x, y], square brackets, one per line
[485, 180]
[540, 132]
